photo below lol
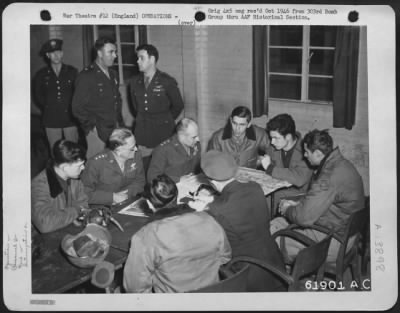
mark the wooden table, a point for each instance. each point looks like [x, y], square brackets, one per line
[53, 273]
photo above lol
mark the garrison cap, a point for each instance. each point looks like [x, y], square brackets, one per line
[218, 165]
[51, 45]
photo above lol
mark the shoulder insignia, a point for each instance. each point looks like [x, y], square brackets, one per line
[100, 156]
[324, 184]
[165, 142]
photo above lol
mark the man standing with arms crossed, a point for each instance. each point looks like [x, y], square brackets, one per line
[97, 102]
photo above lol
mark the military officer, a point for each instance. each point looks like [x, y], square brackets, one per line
[97, 101]
[52, 92]
[116, 174]
[178, 156]
[156, 100]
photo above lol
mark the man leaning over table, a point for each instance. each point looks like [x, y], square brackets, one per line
[115, 174]
[179, 156]
[284, 159]
[244, 141]
[241, 209]
[336, 191]
[57, 194]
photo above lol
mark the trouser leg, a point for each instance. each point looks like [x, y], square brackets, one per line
[53, 134]
[71, 133]
[94, 143]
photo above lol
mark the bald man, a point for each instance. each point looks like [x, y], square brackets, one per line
[179, 155]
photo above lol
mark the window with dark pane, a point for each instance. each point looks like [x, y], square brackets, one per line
[323, 36]
[320, 89]
[286, 36]
[321, 62]
[107, 31]
[285, 60]
[285, 87]
[300, 62]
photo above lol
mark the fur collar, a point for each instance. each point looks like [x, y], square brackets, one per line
[227, 134]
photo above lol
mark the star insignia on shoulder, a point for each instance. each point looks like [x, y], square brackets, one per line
[100, 156]
[164, 142]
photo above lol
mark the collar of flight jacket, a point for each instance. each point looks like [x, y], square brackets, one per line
[53, 181]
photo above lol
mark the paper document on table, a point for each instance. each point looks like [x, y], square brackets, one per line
[189, 185]
[136, 208]
[267, 182]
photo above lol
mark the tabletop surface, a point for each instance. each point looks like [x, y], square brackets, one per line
[52, 263]
[53, 273]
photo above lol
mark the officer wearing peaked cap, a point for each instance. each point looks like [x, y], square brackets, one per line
[97, 102]
[178, 156]
[53, 87]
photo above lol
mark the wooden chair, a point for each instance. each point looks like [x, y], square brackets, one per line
[347, 257]
[309, 261]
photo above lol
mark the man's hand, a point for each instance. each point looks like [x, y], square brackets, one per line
[285, 204]
[200, 203]
[265, 161]
[120, 196]
[186, 178]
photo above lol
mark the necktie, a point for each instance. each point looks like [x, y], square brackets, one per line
[146, 82]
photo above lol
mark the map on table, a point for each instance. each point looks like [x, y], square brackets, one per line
[267, 182]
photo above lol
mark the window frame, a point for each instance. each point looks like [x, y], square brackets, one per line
[305, 66]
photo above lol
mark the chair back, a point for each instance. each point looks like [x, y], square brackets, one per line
[309, 261]
[353, 231]
[236, 282]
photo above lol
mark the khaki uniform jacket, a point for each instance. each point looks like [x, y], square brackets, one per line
[155, 108]
[97, 101]
[255, 143]
[176, 254]
[103, 176]
[336, 191]
[51, 208]
[171, 158]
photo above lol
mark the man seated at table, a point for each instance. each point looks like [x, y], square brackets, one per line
[284, 159]
[336, 191]
[179, 155]
[178, 250]
[57, 194]
[115, 174]
[244, 141]
[241, 209]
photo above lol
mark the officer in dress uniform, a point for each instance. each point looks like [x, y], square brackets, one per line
[115, 174]
[53, 89]
[156, 100]
[179, 156]
[97, 102]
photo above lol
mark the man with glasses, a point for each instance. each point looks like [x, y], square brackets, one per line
[239, 138]
[116, 174]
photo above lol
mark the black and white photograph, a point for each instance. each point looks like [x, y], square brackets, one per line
[224, 157]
